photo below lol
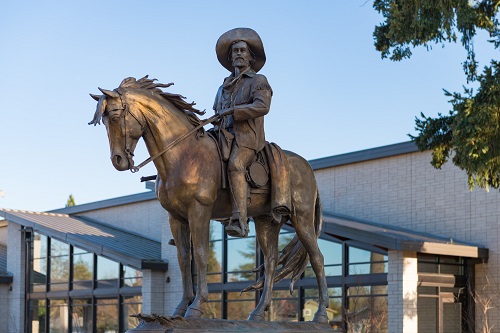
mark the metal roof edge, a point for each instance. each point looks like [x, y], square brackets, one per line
[99, 249]
[113, 202]
[441, 246]
[364, 155]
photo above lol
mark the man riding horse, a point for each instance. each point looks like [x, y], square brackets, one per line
[243, 100]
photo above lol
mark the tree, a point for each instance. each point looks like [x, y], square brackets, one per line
[71, 201]
[471, 130]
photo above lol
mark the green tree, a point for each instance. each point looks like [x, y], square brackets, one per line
[71, 201]
[470, 132]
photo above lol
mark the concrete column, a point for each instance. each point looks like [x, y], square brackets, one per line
[402, 280]
[16, 250]
[153, 283]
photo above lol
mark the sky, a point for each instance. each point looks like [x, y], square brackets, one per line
[333, 93]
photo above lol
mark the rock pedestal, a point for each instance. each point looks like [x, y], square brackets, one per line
[157, 324]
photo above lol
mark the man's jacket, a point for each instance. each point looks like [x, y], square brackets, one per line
[250, 94]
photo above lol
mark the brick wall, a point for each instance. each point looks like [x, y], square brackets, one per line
[146, 218]
[4, 306]
[15, 265]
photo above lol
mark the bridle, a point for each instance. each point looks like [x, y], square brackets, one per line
[126, 110]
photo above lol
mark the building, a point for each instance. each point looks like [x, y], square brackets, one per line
[407, 249]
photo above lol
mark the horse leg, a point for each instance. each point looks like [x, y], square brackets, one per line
[182, 238]
[304, 226]
[267, 234]
[199, 224]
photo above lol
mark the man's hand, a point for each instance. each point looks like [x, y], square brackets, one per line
[227, 112]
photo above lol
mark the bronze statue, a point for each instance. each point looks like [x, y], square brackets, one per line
[189, 184]
[242, 100]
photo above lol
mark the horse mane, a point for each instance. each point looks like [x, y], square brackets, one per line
[175, 99]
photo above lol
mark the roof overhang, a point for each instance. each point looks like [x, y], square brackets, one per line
[389, 237]
[113, 243]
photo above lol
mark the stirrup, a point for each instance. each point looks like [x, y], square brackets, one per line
[236, 229]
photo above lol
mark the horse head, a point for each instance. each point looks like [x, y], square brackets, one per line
[124, 128]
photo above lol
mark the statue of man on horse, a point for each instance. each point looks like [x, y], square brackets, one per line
[242, 101]
[190, 176]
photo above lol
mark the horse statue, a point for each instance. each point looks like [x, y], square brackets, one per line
[188, 186]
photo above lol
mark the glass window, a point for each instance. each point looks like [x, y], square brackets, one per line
[214, 265]
[83, 270]
[216, 230]
[107, 273]
[82, 315]
[59, 273]
[441, 265]
[366, 262]
[107, 316]
[58, 311]
[240, 306]
[367, 309]
[37, 316]
[38, 275]
[59, 265]
[284, 307]
[213, 307]
[332, 252]
[451, 265]
[131, 277]
[428, 308]
[241, 259]
[58, 248]
[368, 314]
[334, 311]
[132, 305]
[39, 246]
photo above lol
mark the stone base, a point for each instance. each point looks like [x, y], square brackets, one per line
[154, 323]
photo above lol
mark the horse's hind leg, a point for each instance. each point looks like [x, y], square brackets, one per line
[303, 223]
[182, 238]
[267, 234]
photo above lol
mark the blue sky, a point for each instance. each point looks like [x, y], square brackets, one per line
[332, 92]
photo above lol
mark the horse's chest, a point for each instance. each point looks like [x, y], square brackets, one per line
[175, 199]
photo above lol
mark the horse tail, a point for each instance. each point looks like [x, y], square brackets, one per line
[294, 257]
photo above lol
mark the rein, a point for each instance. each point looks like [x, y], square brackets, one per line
[126, 111]
[134, 169]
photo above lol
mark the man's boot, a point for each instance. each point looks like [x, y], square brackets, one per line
[238, 225]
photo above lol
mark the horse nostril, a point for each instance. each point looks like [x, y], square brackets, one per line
[118, 159]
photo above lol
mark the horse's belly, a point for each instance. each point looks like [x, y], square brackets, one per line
[258, 204]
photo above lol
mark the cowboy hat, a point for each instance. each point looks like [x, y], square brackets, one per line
[240, 34]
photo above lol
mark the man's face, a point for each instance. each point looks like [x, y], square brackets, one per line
[240, 55]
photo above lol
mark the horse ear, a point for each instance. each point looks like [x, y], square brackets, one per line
[95, 97]
[110, 93]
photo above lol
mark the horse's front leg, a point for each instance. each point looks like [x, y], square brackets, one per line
[182, 238]
[267, 234]
[199, 223]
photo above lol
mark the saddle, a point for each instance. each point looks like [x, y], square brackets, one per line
[267, 173]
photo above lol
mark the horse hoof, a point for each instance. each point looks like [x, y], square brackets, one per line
[256, 317]
[193, 313]
[320, 318]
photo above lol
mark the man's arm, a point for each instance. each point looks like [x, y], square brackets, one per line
[261, 102]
